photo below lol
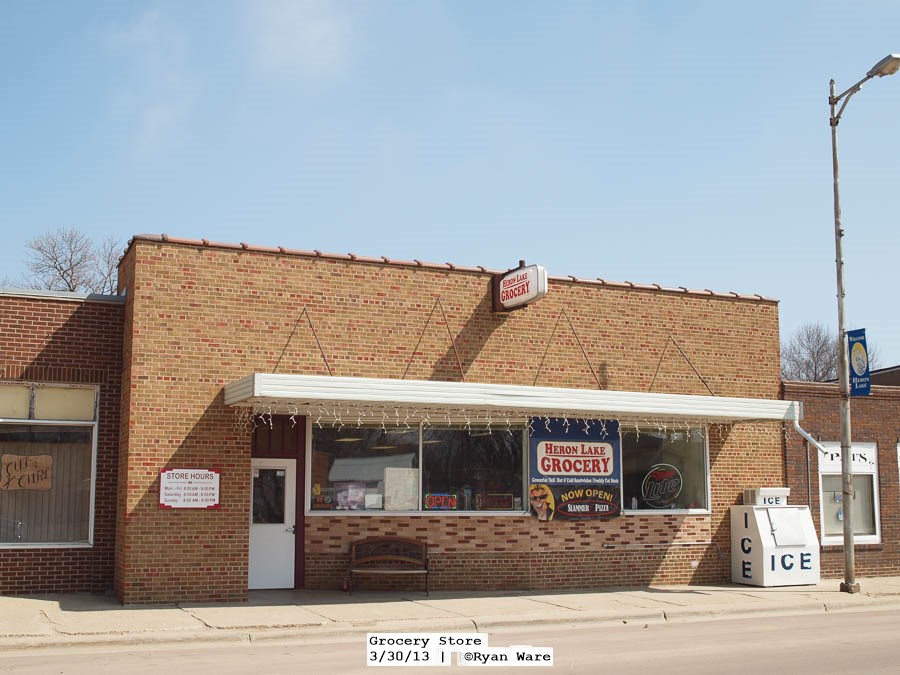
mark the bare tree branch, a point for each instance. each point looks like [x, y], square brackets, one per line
[106, 272]
[68, 260]
[812, 354]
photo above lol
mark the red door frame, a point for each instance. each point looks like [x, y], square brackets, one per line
[285, 438]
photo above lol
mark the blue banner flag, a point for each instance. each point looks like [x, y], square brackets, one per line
[859, 362]
[575, 468]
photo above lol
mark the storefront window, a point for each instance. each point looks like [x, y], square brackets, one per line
[46, 468]
[376, 469]
[833, 506]
[664, 469]
[45, 484]
[365, 468]
[864, 468]
[472, 470]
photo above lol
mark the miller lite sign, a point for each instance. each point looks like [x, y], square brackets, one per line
[518, 287]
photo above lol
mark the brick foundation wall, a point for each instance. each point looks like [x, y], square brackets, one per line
[201, 316]
[518, 552]
[873, 419]
[70, 342]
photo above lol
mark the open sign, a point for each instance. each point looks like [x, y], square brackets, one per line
[440, 501]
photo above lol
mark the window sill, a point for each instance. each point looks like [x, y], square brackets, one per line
[12, 546]
[430, 514]
[666, 512]
[866, 546]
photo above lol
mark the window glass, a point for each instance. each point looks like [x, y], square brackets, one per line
[45, 484]
[863, 505]
[268, 496]
[664, 469]
[64, 403]
[15, 401]
[365, 468]
[465, 470]
[370, 468]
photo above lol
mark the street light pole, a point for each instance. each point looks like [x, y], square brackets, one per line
[887, 66]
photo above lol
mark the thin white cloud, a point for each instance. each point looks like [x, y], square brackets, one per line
[306, 37]
[160, 95]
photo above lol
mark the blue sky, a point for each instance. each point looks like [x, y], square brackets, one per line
[679, 143]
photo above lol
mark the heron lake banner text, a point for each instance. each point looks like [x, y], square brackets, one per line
[575, 468]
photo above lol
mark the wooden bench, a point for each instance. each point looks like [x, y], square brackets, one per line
[388, 555]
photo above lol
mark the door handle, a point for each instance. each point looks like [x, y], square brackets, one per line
[292, 529]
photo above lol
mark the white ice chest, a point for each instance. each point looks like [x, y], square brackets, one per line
[772, 543]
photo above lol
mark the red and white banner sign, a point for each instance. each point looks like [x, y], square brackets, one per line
[519, 287]
[585, 458]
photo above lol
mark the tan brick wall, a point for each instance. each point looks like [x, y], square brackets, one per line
[873, 419]
[70, 342]
[204, 316]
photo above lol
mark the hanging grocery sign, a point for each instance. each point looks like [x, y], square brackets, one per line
[188, 489]
[518, 287]
[575, 468]
[859, 362]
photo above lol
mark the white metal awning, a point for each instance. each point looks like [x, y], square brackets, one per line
[374, 399]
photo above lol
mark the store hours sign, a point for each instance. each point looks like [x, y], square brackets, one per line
[575, 468]
[189, 489]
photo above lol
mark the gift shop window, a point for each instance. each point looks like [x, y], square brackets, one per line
[431, 469]
[47, 465]
[864, 469]
[665, 470]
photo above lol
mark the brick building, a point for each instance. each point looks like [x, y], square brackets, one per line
[322, 398]
[815, 476]
[61, 359]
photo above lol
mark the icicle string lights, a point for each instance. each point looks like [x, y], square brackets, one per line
[741, 436]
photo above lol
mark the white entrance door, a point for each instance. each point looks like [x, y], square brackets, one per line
[272, 523]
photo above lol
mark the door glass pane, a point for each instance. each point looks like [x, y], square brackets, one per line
[268, 496]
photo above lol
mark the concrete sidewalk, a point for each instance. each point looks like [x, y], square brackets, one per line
[56, 620]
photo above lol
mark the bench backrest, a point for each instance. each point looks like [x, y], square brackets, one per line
[392, 549]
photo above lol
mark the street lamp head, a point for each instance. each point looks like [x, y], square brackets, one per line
[889, 65]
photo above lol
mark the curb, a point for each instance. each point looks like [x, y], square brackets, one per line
[342, 631]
